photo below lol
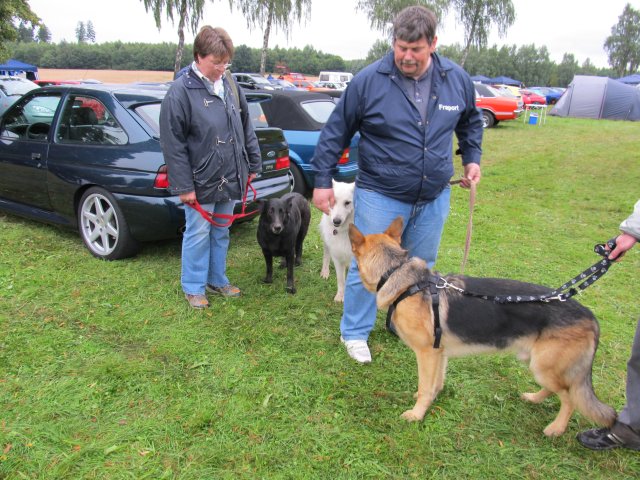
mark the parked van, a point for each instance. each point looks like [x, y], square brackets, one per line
[335, 77]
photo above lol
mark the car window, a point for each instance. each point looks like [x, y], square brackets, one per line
[150, 113]
[257, 115]
[319, 110]
[484, 90]
[30, 119]
[85, 119]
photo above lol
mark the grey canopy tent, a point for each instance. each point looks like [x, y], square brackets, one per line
[598, 97]
[14, 67]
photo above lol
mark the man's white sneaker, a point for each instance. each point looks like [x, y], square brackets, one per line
[358, 350]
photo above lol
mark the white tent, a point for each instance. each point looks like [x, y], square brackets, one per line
[598, 97]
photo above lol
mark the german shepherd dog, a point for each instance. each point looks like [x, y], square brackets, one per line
[557, 339]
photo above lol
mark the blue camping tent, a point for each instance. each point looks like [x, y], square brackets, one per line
[481, 79]
[506, 81]
[631, 79]
[14, 67]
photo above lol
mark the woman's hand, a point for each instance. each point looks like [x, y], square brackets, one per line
[189, 198]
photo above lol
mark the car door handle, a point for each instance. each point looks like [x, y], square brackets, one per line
[36, 156]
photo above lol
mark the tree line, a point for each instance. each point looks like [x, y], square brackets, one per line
[528, 63]
[161, 57]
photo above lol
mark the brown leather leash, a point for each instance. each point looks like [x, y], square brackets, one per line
[472, 202]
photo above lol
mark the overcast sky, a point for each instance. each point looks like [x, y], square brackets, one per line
[563, 26]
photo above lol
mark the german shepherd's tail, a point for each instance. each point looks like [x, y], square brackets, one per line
[586, 402]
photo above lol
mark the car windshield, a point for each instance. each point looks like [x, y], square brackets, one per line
[285, 84]
[319, 110]
[16, 86]
[261, 80]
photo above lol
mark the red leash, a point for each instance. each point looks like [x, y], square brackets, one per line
[209, 216]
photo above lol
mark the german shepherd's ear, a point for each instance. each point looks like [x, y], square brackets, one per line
[395, 230]
[356, 237]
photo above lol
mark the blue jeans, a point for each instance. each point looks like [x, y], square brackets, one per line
[204, 249]
[423, 225]
[630, 414]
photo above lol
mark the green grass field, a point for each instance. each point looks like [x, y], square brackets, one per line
[105, 372]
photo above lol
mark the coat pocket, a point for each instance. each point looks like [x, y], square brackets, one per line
[209, 170]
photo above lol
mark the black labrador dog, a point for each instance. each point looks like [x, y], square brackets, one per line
[283, 224]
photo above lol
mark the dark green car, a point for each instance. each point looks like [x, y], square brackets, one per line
[89, 157]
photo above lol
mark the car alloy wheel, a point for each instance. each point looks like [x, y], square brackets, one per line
[102, 226]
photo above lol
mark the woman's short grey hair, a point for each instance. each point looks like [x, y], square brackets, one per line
[214, 41]
[414, 23]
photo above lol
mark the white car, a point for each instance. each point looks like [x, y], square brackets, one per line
[333, 85]
[12, 88]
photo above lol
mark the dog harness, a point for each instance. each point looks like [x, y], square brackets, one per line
[426, 284]
[434, 283]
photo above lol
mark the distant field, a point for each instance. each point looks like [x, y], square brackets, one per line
[106, 76]
[111, 76]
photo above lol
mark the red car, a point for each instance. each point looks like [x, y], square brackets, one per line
[292, 76]
[532, 98]
[495, 107]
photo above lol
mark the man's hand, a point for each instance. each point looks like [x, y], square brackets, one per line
[323, 199]
[624, 242]
[189, 198]
[471, 175]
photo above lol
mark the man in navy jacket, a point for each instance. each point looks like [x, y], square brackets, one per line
[406, 107]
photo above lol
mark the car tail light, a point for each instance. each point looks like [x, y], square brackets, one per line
[282, 162]
[162, 178]
[345, 157]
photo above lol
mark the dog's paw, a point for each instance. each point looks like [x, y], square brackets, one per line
[530, 397]
[324, 273]
[267, 280]
[291, 290]
[411, 416]
[553, 430]
[537, 397]
[339, 298]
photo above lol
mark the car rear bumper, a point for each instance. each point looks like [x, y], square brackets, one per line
[161, 218]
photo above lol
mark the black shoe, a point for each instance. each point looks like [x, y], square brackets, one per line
[606, 439]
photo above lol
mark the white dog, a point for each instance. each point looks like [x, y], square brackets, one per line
[334, 229]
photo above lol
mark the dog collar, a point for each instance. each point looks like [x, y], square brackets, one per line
[385, 277]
